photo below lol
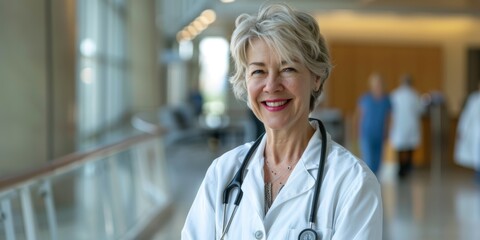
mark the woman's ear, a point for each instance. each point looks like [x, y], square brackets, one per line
[317, 83]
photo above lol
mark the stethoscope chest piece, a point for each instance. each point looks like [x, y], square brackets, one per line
[307, 234]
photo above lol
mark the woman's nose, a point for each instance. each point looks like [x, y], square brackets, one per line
[272, 83]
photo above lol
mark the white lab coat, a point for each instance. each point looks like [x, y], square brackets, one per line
[350, 205]
[467, 147]
[405, 129]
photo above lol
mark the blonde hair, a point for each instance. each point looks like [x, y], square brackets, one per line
[293, 36]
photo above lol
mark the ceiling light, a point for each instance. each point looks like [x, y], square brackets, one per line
[210, 15]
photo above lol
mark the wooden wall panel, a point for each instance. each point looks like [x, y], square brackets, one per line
[354, 62]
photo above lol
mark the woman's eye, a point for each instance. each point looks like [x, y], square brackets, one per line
[288, 70]
[256, 72]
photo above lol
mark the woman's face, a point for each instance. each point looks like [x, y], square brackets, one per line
[278, 92]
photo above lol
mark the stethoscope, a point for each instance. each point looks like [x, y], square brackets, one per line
[236, 183]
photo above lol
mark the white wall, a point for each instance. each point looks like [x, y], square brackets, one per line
[24, 85]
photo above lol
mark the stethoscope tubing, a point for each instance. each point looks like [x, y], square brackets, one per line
[318, 183]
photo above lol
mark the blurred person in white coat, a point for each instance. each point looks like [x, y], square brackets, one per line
[405, 132]
[281, 62]
[467, 147]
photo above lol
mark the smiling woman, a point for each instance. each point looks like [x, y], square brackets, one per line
[281, 62]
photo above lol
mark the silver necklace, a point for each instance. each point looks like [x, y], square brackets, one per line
[277, 174]
[269, 185]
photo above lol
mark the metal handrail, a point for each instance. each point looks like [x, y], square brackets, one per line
[68, 162]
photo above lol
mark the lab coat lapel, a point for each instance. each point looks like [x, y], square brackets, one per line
[299, 183]
[253, 183]
[253, 190]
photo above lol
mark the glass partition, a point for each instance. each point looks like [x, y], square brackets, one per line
[105, 196]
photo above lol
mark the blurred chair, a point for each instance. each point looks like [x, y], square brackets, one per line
[180, 122]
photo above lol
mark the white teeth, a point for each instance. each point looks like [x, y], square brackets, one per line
[275, 104]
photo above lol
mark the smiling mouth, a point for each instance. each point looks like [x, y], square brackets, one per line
[275, 104]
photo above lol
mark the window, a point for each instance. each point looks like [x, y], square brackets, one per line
[102, 67]
[213, 74]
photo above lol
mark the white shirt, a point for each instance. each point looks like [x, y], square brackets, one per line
[350, 204]
[467, 147]
[406, 111]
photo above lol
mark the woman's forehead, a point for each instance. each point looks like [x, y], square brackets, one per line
[260, 49]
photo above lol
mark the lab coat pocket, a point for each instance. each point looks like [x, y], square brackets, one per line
[322, 233]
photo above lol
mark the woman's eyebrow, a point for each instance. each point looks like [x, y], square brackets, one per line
[260, 64]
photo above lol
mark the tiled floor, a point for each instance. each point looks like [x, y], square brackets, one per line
[432, 206]
[441, 205]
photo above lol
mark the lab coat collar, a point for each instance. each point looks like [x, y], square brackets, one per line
[311, 156]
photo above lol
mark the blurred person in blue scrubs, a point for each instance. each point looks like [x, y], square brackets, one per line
[467, 147]
[373, 113]
[405, 132]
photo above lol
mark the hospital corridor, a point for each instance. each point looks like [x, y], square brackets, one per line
[124, 119]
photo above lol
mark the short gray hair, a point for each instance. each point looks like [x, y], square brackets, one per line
[293, 35]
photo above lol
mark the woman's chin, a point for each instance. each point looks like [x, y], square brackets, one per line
[276, 124]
